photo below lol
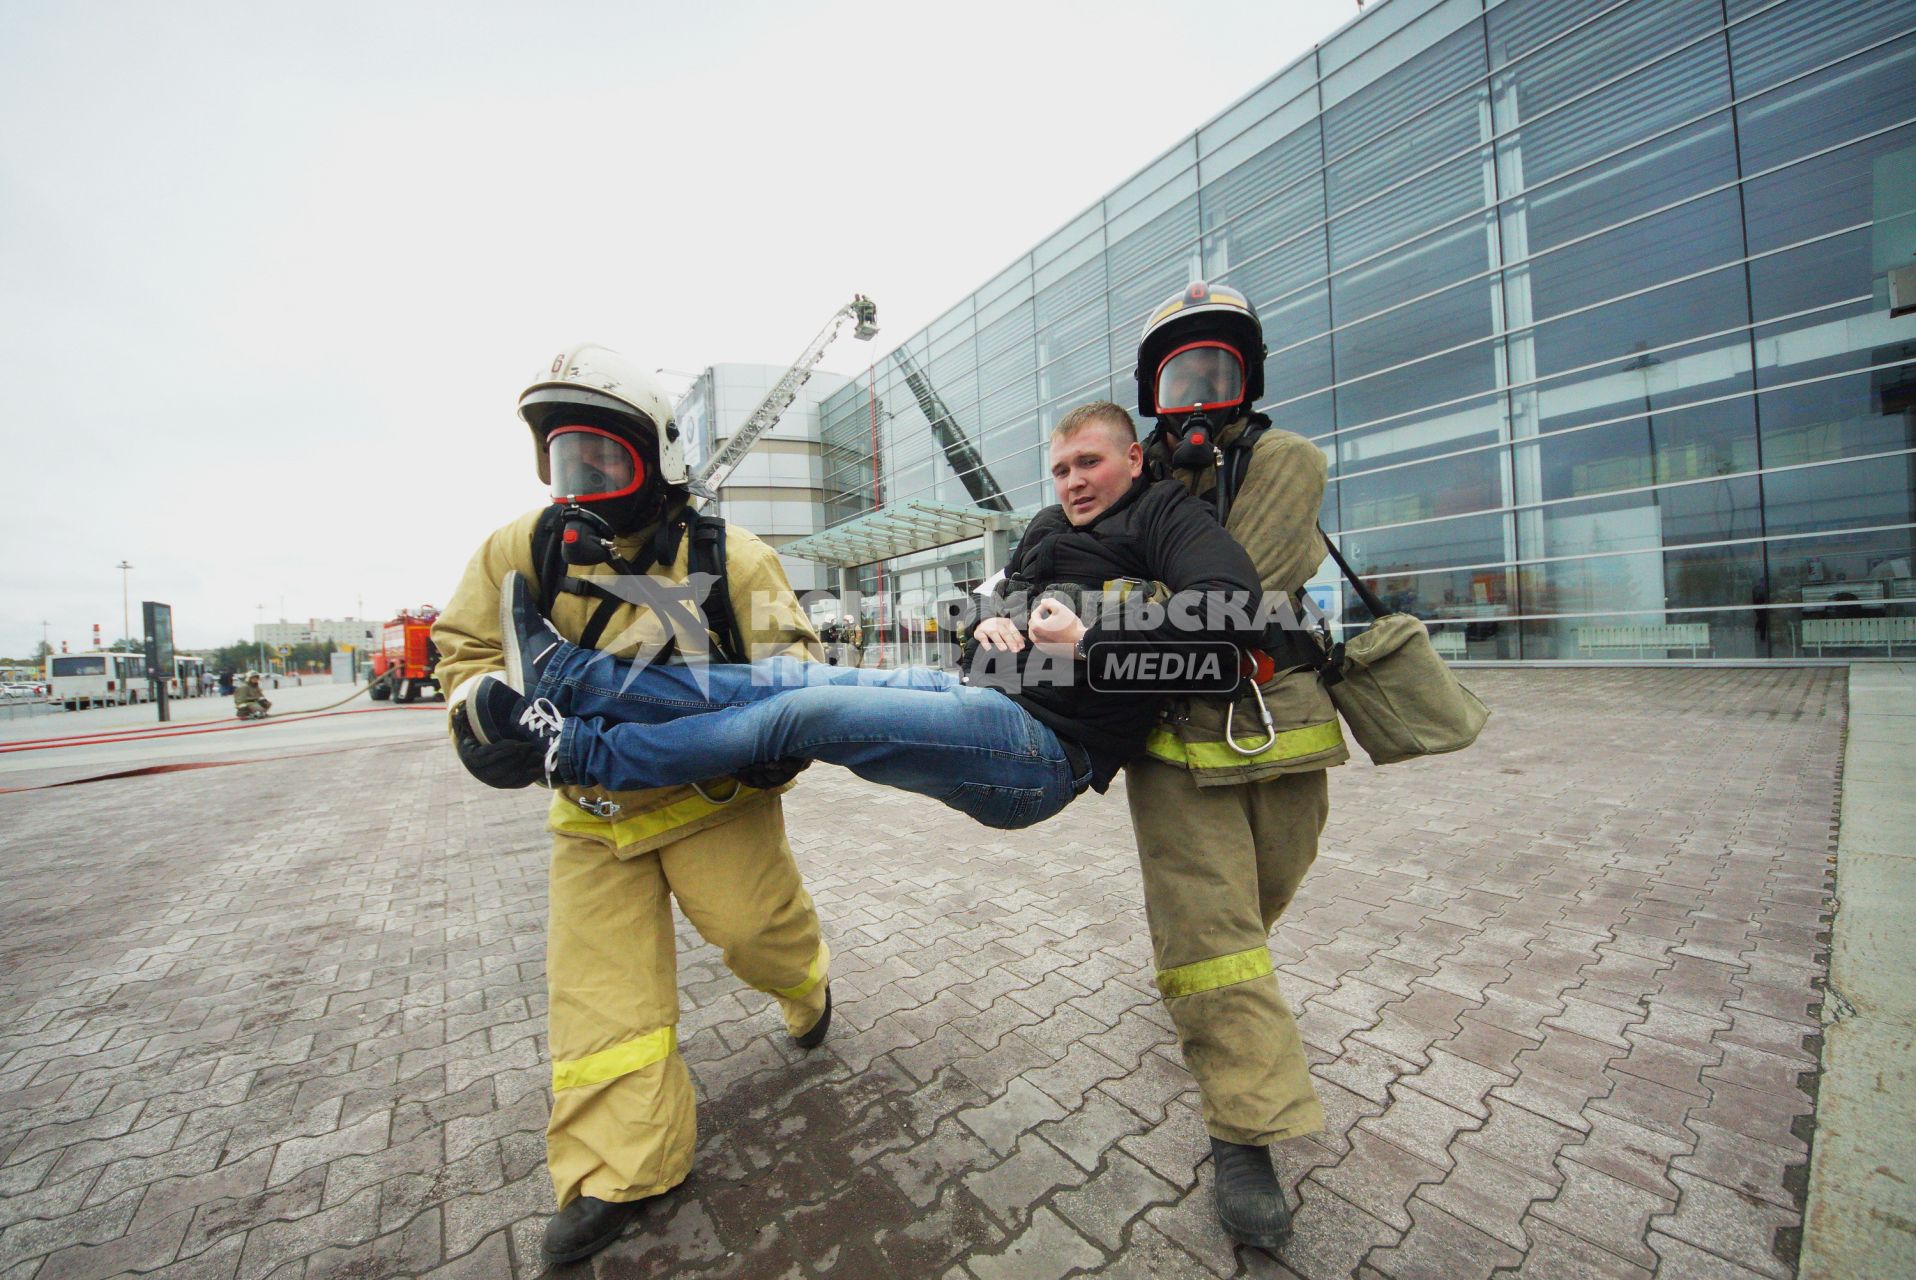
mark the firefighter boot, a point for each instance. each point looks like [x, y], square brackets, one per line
[584, 1227]
[816, 1036]
[1250, 1204]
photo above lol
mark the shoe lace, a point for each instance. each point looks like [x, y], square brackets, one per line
[544, 720]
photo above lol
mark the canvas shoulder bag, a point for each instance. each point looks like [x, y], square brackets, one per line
[1398, 697]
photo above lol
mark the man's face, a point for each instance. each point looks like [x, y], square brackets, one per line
[1092, 468]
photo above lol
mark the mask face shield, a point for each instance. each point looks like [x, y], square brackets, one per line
[592, 465]
[1200, 375]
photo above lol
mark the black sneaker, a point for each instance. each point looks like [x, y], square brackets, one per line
[497, 713]
[492, 710]
[530, 641]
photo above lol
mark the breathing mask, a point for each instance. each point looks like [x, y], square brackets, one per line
[1195, 382]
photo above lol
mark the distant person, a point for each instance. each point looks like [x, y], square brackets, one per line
[248, 702]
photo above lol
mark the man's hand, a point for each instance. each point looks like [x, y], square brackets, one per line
[999, 633]
[772, 773]
[505, 765]
[1055, 626]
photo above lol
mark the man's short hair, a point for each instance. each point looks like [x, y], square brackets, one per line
[1102, 412]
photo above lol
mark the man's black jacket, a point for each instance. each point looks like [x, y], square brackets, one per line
[1154, 533]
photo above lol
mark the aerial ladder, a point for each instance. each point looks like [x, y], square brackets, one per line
[965, 460]
[707, 479]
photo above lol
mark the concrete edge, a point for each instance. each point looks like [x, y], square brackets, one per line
[1860, 1217]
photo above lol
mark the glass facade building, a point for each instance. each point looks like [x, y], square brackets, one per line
[1587, 302]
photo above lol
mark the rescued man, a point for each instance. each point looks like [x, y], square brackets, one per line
[1009, 742]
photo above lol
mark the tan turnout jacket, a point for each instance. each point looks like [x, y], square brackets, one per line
[467, 634]
[1274, 518]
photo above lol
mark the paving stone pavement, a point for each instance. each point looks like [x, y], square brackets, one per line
[1560, 993]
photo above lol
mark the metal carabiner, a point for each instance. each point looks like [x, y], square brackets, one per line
[597, 808]
[1270, 729]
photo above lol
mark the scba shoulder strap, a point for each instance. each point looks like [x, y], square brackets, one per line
[707, 557]
[1237, 463]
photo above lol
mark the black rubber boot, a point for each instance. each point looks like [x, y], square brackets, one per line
[584, 1227]
[1250, 1204]
[816, 1036]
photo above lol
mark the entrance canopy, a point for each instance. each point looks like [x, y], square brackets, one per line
[917, 524]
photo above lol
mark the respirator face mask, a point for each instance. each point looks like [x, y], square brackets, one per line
[591, 465]
[1194, 383]
[1203, 376]
[601, 480]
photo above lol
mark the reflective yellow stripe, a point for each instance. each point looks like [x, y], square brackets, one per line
[820, 963]
[619, 1060]
[1218, 971]
[564, 815]
[1292, 744]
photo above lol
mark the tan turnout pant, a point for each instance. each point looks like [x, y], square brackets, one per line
[1220, 865]
[622, 1125]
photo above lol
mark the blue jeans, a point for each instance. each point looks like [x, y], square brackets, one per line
[631, 727]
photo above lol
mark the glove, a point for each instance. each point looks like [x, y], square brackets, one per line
[506, 765]
[772, 773]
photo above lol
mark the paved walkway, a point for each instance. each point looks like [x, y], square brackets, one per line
[1561, 993]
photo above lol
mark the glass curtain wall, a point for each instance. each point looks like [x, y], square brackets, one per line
[1585, 301]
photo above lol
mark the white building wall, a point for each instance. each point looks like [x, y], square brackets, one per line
[777, 491]
[337, 631]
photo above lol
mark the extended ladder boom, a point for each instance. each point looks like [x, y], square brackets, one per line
[717, 468]
[965, 460]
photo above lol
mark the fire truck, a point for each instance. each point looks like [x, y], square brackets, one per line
[403, 667]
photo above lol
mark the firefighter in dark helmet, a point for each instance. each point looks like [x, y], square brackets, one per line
[1230, 797]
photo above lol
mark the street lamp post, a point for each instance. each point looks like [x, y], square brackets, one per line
[126, 614]
[259, 621]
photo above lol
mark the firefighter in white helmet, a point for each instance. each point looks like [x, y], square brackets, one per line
[622, 1126]
[1228, 822]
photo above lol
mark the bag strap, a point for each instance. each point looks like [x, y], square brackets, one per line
[1364, 593]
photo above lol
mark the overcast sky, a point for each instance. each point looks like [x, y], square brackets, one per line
[275, 274]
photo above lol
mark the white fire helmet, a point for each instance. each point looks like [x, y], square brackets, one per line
[594, 385]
